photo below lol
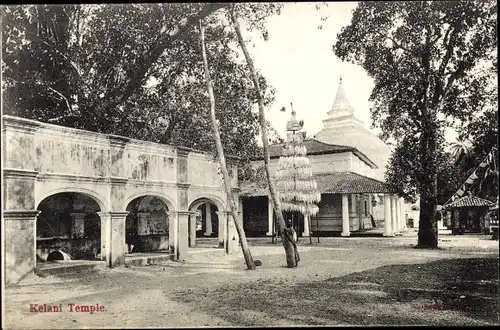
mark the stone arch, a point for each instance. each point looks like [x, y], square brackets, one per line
[100, 200]
[147, 225]
[70, 222]
[198, 223]
[170, 205]
[193, 205]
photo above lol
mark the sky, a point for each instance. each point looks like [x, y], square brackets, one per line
[299, 63]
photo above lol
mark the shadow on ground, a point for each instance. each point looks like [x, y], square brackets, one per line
[444, 292]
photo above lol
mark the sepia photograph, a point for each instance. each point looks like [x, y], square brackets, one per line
[249, 164]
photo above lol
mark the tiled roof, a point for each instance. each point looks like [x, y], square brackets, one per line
[470, 201]
[315, 147]
[330, 183]
[349, 183]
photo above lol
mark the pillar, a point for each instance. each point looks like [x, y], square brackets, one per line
[345, 216]
[105, 235]
[192, 229]
[183, 233]
[77, 225]
[19, 230]
[394, 219]
[142, 223]
[306, 232]
[208, 219]
[19, 159]
[353, 209]
[173, 233]
[221, 231]
[270, 215]
[397, 211]
[114, 237]
[402, 212]
[232, 241]
[361, 212]
[387, 216]
[369, 198]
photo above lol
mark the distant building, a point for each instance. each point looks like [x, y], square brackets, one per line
[348, 162]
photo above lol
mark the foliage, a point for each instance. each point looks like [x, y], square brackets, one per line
[482, 132]
[132, 70]
[459, 150]
[403, 173]
[427, 60]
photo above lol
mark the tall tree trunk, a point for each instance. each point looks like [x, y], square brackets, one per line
[291, 252]
[227, 182]
[428, 231]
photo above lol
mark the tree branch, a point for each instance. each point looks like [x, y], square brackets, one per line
[70, 114]
[398, 45]
[74, 65]
[449, 48]
[122, 94]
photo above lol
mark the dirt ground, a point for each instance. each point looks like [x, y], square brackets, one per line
[340, 281]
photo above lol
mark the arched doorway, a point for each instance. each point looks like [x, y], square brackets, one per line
[204, 226]
[68, 222]
[147, 225]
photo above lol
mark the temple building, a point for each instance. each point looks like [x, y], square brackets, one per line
[348, 163]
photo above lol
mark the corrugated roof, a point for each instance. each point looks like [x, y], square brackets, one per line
[315, 147]
[469, 201]
[329, 183]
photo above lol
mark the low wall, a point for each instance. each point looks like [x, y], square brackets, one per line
[149, 243]
[85, 248]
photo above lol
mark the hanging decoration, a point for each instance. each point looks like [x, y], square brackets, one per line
[488, 163]
[296, 188]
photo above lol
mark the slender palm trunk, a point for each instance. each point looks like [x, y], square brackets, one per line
[227, 182]
[292, 254]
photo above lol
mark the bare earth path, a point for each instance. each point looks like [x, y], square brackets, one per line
[341, 281]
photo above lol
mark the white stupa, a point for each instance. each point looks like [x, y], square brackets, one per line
[343, 128]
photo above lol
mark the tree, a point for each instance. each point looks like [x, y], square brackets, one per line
[459, 149]
[62, 63]
[292, 255]
[227, 181]
[107, 50]
[427, 60]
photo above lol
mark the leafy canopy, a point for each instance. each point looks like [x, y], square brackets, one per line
[430, 61]
[132, 70]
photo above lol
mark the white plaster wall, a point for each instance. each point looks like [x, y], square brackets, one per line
[72, 160]
[149, 161]
[203, 170]
[341, 162]
[62, 150]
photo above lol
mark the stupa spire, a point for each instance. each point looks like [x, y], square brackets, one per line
[341, 105]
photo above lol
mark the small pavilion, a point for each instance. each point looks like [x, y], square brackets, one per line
[468, 214]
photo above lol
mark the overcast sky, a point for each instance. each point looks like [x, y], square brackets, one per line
[299, 63]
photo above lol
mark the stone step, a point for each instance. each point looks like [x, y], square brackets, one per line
[132, 260]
